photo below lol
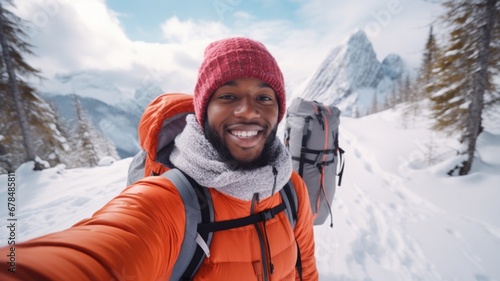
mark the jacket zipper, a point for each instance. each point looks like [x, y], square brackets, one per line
[261, 240]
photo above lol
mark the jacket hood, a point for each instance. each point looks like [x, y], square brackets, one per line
[163, 119]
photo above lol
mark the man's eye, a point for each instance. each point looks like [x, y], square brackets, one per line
[265, 98]
[227, 97]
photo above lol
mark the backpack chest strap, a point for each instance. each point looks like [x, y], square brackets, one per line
[240, 222]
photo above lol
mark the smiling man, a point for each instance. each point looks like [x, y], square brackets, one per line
[242, 121]
[229, 146]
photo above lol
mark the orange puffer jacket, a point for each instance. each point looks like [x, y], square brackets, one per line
[138, 236]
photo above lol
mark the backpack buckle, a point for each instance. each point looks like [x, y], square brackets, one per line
[267, 215]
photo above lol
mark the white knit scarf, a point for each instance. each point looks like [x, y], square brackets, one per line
[195, 156]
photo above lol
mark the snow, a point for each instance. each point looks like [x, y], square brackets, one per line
[106, 161]
[44, 163]
[396, 216]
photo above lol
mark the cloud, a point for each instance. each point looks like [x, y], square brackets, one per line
[241, 15]
[393, 26]
[85, 35]
[75, 35]
[181, 32]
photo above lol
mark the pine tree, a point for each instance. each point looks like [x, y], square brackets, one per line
[411, 100]
[407, 92]
[29, 126]
[374, 105]
[12, 46]
[395, 96]
[89, 145]
[464, 71]
[425, 79]
[51, 144]
[423, 85]
[85, 150]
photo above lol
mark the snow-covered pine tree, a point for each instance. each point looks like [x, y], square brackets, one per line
[407, 93]
[374, 105]
[425, 80]
[12, 62]
[85, 153]
[394, 97]
[89, 145]
[452, 70]
[417, 90]
[464, 71]
[50, 144]
[410, 96]
[29, 125]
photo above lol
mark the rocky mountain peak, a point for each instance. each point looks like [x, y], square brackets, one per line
[351, 74]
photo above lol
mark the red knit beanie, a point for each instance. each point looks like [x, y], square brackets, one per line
[233, 58]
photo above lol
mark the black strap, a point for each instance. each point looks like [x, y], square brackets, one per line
[341, 173]
[240, 222]
[340, 154]
[314, 162]
[306, 133]
[319, 114]
[207, 227]
[335, 139]
[287, 137]
[318, 151]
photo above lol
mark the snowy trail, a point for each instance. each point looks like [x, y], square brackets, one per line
[384, 231]
[370, 211]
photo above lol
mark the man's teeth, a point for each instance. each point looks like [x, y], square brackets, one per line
[245, 134]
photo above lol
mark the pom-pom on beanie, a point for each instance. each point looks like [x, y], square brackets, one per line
[234, 58]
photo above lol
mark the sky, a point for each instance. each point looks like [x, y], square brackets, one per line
[397, 215]
[137, 42]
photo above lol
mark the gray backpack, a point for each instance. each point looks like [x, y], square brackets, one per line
[311, 136]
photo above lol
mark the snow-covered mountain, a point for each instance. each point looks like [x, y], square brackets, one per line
[348, 78]
[113, 112]
[88, 84]
[351, 75]
[116, 123]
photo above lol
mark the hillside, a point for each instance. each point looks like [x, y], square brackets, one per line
[396, 216]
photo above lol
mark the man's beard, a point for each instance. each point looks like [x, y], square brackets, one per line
[266, 156]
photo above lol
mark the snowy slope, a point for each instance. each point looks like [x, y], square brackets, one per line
[399, 220]
[396, 216]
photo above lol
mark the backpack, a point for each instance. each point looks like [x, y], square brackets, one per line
[312, 137]
[163, 119]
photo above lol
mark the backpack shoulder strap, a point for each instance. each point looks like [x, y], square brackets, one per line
[198, 208]
[289, 197]
[199, 213]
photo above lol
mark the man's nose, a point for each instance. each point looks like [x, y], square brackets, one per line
[247, 108]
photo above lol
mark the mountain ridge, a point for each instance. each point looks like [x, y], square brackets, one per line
[350, 76]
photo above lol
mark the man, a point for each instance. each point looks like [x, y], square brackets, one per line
[230, 146]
